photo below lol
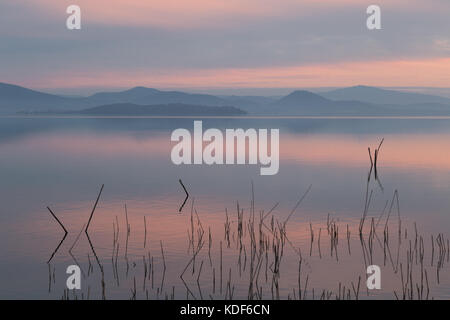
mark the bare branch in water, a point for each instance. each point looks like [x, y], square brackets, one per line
[187, 195]
[93, 209]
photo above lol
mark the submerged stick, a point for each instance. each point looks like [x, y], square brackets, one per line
[64, 237]
[377, 152]
[76, 240]
[370, 157]
[93, 209]
[57, 220]
[187, 195]
[297, 205]
[57, 248]
[145, 232]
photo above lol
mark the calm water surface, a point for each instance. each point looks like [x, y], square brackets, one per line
[62, 163]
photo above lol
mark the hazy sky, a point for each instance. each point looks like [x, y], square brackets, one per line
[224, 44]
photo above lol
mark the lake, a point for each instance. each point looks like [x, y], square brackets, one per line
[292, 235]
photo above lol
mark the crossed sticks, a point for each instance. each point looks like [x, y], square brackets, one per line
[65, 230]
[373, 163]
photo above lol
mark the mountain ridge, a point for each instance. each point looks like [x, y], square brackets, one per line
[172, 109]
[342, 101]
[382, 96]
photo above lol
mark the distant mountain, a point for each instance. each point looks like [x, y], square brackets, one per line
[149, 96]
[136, 93]
[302, 98]
[250, 104]
[357, 101]
[173, 109]
[305, 103]
[382, 96]
[15, 98]
[259, 100]
[10, 91]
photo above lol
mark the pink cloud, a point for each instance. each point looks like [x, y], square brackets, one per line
[426, 72]
[198, 13]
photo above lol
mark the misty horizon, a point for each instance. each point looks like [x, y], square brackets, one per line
[264, 92]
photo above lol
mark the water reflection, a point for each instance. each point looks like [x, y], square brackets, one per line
[60, 163]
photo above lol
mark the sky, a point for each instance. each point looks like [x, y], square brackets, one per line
[229, 44]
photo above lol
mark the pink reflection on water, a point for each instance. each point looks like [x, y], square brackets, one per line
[412, 150]
[426, 151]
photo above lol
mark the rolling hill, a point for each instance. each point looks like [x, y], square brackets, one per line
[352, 101]
[172, 109]
[382, 96]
